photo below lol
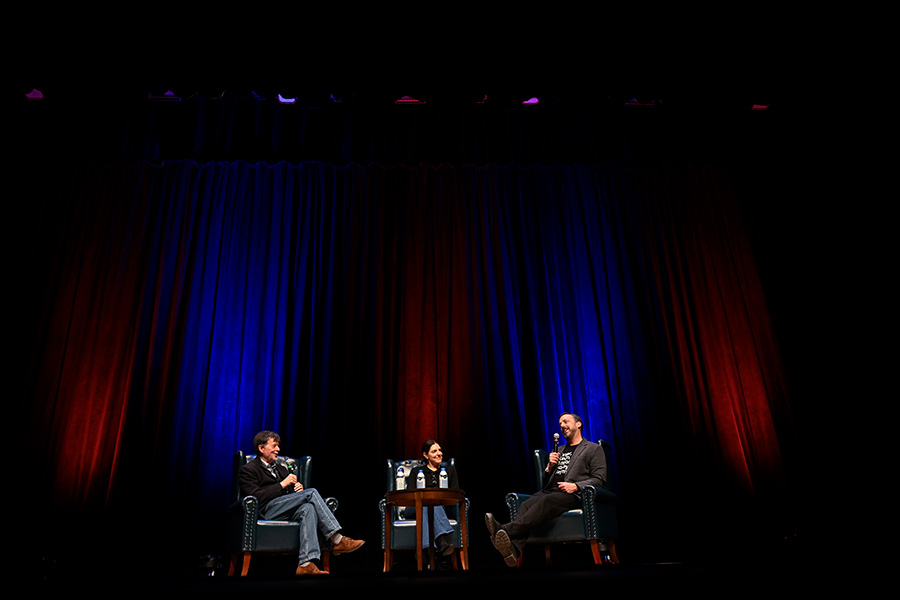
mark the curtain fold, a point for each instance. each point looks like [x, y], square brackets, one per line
[361, 309]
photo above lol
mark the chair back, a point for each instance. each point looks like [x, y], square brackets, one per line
[301, 467]
[541, 458]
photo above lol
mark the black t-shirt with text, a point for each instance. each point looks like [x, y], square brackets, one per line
[562, 467]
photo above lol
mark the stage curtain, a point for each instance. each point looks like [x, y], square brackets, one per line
[361, 309]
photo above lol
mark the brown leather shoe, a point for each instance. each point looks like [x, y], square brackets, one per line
[310, 569]
[346, 545]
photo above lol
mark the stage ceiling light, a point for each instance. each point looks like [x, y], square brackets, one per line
[169, 96]
[408, 100]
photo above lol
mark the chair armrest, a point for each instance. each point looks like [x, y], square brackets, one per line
[592, 495]
[517, 497]
[381, 506]
[588, 499]
[248, 506]
[513, 502]
[598, 506]
[332, 503]
[242, 517]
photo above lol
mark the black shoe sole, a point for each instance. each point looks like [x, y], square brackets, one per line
[503, 545]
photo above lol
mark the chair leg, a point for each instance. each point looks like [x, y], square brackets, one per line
[595, 552]
[326, 561]
[243, 559]
[547, 554]
[612, 551]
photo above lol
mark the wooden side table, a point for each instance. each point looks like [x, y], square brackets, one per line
[421, 498]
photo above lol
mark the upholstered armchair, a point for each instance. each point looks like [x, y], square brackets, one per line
[595, 522]
[247, 535]
[403, 531]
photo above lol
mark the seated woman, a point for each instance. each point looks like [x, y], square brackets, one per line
[443, 532]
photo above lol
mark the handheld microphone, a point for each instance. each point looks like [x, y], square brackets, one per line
[289, 464]
[556, 442]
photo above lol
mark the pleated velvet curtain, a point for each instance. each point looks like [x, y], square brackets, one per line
[361, 308]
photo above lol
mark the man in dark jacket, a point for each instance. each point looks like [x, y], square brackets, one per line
[282, 498]
[577, 464]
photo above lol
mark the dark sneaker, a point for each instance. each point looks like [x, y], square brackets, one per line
[492, 525]
[505, 547]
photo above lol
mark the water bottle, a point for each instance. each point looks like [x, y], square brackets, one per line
[420, 479]
[444, 480]
[401, 480]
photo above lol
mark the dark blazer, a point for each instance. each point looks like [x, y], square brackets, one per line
[254, 480]
[587, 466]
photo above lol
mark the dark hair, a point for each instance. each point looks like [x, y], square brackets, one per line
[574, 416]
[262, 438]
[427, 444]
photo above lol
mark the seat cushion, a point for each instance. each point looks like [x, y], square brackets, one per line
[277, 536]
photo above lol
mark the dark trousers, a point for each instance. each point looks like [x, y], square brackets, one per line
[537, 510]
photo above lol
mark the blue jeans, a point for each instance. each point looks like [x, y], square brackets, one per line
[441, 522]
[307, 508]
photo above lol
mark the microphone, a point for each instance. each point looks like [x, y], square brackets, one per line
[289, 464]
[556, 442]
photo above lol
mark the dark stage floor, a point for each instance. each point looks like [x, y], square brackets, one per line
[704, 579]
